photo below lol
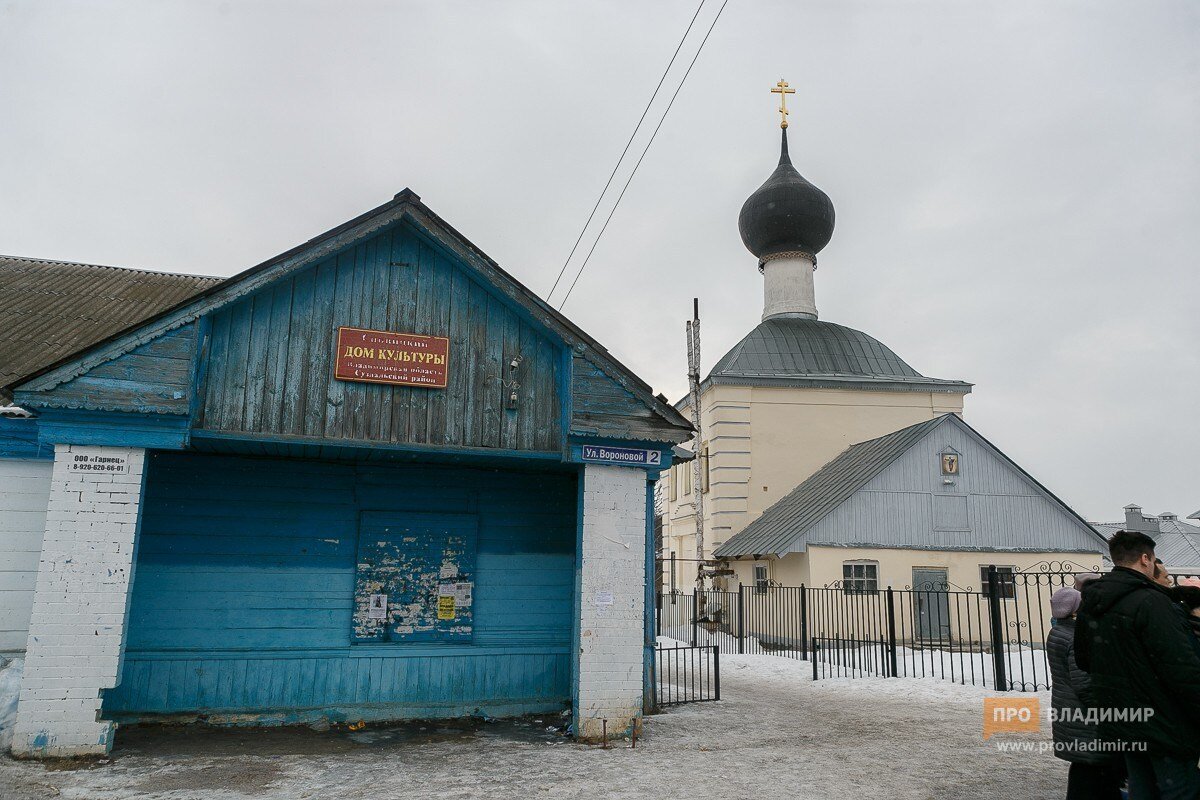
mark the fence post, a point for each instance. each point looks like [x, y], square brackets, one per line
[998, 660]
[716, 672]
[741, 620]
[813, 652]
[803, 622]
[695, 614]
[891, 612]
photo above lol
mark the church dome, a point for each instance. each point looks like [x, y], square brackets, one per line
[786, 214]
[799, 351]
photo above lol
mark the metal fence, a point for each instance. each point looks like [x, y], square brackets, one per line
[994, 636]
[687, 674]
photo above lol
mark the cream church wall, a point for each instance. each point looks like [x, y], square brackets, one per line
[764, 441]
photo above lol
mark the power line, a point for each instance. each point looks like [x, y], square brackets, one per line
[636, 128]
[643, 155]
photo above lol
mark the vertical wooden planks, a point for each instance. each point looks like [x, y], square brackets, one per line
[509, 379]
[418, 416]
[491, 387]
[257, 364]
[298, 366]
[458, 387]
[405, 277]
[439, 281]
[320, 350]
[335, 408]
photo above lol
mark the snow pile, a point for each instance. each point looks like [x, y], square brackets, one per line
[10, 689]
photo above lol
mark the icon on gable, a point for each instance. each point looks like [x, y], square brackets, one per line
[949, 463]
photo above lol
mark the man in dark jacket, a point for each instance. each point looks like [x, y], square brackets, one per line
[1145, 667]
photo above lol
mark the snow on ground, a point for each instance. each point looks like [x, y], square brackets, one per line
[10, 689]
[775, 733]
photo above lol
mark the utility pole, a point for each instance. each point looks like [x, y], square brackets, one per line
[693, 342]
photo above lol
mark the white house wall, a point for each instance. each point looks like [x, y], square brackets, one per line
[1005, 511]
[24, 494]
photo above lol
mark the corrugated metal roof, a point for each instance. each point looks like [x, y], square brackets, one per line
[52, 309]
[826, 489]
[1176, 543]
[790, 350]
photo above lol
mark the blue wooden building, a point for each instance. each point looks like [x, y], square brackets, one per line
[372, 478]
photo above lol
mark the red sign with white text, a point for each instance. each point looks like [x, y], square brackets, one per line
[402, 359]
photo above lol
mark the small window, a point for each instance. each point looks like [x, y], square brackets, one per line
[760, 579]
[1007, 581]
[704, 468]
[672, 479]
[674, 576]
[686, 475]
[860, 577]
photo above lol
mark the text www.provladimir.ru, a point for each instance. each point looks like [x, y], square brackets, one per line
[1070, 747]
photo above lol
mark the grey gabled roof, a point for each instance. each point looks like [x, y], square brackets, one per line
[780, 527]
[55, 308]
[792, 351]
[826, 489]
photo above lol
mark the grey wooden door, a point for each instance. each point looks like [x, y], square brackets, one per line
[931, 604]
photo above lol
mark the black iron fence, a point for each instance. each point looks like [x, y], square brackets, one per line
[685, 674]
[994, 636]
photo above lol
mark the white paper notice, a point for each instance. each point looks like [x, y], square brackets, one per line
[462, 593]
[604, 598]
[378, 607]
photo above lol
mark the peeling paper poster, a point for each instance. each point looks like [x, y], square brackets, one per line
[445, 607]
[378, 607]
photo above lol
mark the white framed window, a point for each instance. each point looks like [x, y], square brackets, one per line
[860, 577]
[1006, 577]
[704, 468]
[760, 579]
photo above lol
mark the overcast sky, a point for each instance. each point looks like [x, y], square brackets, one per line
[1017, 184]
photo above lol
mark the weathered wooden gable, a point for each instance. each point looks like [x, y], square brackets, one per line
[152, 378]
[602, 407]
[269, 356]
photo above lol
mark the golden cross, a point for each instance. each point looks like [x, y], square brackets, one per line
[783, 91]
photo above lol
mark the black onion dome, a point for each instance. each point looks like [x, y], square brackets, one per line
[787, 213]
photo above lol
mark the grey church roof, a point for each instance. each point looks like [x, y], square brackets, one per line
[780, 527]
[55, 308]
[795, 351]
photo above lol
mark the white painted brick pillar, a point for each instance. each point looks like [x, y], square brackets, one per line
[612, 601]
[80, 603]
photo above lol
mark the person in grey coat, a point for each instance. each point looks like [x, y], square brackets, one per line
[1094, 775]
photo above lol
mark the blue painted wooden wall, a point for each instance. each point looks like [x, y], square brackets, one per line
[243, 593]
[269, 367]
[152, 378]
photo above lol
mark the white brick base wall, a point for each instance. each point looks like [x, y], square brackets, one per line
[612, 601]
[77, 629]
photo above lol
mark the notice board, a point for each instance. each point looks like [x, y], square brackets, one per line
[415, 577]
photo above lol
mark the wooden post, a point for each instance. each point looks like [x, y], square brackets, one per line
[693, 351]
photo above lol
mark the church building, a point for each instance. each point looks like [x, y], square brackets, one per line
[372, 478]
[792, 396]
